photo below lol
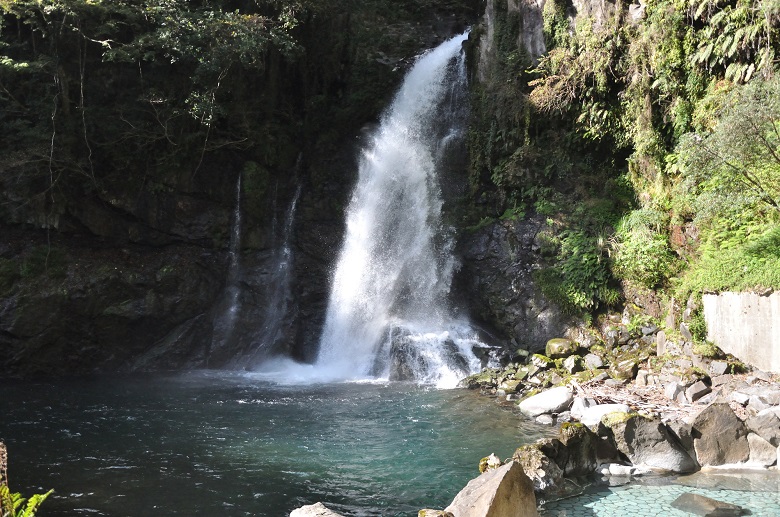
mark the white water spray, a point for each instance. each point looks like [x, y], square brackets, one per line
[387, 314]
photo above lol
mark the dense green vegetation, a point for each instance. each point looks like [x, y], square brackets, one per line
[650, 139]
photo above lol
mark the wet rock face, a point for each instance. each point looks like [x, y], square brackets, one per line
[497, 277]
[104, 309]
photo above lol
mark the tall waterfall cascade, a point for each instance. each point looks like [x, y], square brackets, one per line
[388, 313]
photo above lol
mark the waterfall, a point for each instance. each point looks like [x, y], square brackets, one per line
[278, 294]
[388, 313]
[230, 304]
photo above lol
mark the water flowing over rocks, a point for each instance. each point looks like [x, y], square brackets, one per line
[128, 271]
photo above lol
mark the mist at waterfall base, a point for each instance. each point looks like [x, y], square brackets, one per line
[226, 443]
[388, 315]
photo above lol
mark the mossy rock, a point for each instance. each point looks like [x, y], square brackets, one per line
[486, 377]
[510, 386]
[610, 420]
[624, 370]
[489, 463]
[434, 513]
[542, 361]
[569, 430]
[560, 347]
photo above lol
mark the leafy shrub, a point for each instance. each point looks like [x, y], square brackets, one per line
[580, 281]
[641, 252]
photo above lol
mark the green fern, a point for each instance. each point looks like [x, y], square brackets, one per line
[11, 502]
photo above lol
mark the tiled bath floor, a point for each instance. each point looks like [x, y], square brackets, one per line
[760, 496]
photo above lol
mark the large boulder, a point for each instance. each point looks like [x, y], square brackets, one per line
[766, 424]
[581, 446]
[553, 400]
[503, 492]
[762, 453]
[650, 443]
[544, 472]
[719, 437]
[314, 510]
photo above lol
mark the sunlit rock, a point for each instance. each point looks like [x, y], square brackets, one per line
[504, 492]
[719, 436]
[554, 400]
[314, 510]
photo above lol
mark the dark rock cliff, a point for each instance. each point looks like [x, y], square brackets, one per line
[126, 263]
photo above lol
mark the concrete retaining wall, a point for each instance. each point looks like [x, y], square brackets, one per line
[746, 325]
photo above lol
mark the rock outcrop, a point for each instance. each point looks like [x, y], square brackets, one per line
[497, 277]
[719, 437]
[649, 443]
[502, 492]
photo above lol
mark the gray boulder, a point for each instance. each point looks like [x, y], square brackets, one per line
[650, 443]
[696, 391]
[593, 362]
[719, 437]
[314, 510]
[766, 424]
[553, 400]
[503, 492]
[580, 451]
[579, 405]
[762, 453]
[573, 364]
[543, 471]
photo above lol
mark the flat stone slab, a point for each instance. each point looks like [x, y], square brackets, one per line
[705, 507]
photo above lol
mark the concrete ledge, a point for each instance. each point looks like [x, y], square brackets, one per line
[746, 325]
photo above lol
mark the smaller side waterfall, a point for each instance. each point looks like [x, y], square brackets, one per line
[228, 309]
[278, 294]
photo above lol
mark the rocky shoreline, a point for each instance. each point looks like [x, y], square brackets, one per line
[630, 400]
